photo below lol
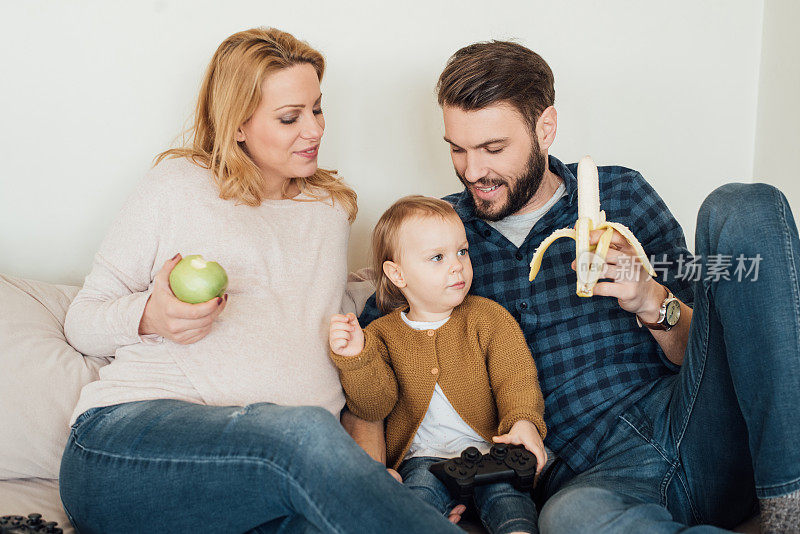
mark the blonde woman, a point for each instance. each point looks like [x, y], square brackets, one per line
[223, 416]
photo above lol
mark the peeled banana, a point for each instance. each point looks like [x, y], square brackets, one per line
[590, 259]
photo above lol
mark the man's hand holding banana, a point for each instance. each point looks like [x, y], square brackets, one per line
[605, 249]
[630, 283]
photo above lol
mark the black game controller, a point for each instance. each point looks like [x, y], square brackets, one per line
[33, 523]
[509, 463]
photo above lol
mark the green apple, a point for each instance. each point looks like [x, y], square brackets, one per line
[196, 280]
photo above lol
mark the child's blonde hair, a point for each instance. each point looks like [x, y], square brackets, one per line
[385, 246]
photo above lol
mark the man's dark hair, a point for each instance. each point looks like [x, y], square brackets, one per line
[493, 72]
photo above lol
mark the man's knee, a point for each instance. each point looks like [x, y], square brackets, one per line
[734, 215]
[737, 200]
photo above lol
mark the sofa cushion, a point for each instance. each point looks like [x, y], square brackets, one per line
[42, 376]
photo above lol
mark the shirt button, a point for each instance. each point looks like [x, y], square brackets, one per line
[523, 306]
[519, 256]
[431, 332]
[435, 371]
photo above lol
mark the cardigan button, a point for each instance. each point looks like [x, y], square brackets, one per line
[431, 332]
[435, 371]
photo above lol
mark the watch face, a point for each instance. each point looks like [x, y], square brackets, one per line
[673, 312]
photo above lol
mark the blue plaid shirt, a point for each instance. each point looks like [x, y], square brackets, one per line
[593, 360]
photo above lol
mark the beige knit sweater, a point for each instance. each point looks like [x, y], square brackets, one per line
[479, 358]
[286, 263]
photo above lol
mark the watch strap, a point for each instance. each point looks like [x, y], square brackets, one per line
[661, 323]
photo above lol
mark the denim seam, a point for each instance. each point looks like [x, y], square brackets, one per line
[652, 443]
[701, 373]
[791, 486]
[695, 512]
[247, 459]
[790, 257]
[669, 475]
[69, 515]
[665, 482]
[794, 484]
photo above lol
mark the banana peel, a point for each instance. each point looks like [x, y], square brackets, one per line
[590, 259]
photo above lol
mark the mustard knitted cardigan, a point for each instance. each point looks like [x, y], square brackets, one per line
[479, 357]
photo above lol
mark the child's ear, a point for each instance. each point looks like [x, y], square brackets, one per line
[239, 135]
[394, 273]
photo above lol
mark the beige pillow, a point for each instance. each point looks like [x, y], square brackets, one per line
[41, 376]
[360, 287]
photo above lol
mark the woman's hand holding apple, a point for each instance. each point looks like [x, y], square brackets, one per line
[178, 321]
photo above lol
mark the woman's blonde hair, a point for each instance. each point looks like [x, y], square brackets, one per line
[385, 242]
[229, 95]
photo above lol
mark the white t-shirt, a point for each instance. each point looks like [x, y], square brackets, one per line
[516, 228]
[442, 433]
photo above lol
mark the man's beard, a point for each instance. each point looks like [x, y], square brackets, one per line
[522, 190]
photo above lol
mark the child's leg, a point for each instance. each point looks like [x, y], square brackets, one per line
[425, 485]
[504, 509]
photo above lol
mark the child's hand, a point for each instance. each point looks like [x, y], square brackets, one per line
[525, 433]
[346, 337]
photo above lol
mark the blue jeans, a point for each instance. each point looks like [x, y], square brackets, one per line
[173, 466]
[501, 507]
[703, 445]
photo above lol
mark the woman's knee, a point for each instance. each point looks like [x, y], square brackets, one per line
[295, 422]
[315, 434]
[314, 421]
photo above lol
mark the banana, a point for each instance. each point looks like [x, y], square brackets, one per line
[590, 259]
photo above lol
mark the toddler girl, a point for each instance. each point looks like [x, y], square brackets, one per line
[447, 370]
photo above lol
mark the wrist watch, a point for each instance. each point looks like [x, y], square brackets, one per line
[668, 314]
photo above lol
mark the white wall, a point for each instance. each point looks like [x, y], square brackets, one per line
[777, 149]
[92, 90]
